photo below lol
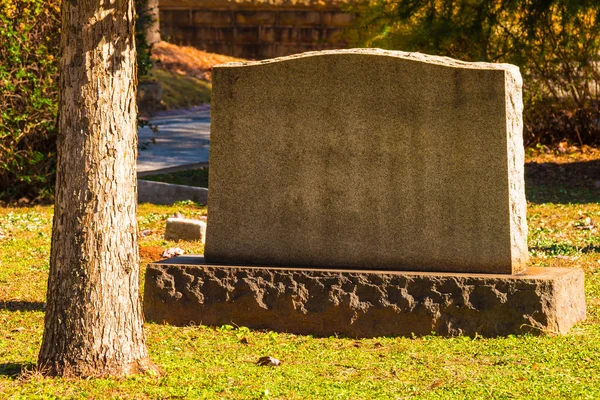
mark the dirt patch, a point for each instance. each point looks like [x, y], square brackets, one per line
[151, 253]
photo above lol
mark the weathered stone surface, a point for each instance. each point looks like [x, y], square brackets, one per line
[185, 229]
[363, 303]
[368, 159]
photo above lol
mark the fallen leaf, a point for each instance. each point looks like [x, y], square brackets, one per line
[436, 383]
[172, 252]
[585, 224]
[268, 361]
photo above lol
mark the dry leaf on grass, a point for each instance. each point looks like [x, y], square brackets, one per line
[172, 252]
[267, 361]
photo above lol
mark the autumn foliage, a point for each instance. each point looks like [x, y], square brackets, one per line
[556, 43]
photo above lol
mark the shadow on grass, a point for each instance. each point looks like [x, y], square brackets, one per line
[22, 305]
[12, 370]
[590, 248]
[577, 182]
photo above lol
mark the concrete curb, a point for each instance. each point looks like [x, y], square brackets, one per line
[167, 193]
[170, 170]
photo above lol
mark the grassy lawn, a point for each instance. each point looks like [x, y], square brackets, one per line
[191, 177]
[180, 91]
[206, 362]
[184, 73]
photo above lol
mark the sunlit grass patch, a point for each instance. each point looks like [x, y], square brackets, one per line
[211, 363]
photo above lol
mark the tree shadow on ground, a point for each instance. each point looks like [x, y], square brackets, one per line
[13, 370]
[22, 305]
[576, 183]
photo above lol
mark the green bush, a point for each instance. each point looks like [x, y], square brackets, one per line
[143, 48]
[29, 39]
[556, 43]
[29, 56]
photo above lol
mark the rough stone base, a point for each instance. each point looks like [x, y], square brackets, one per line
[184, 290]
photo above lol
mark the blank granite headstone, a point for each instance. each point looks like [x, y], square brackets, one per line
[366, 193]
[368, 159]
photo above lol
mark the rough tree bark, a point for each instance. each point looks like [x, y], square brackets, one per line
[93, 324]
[153, 28]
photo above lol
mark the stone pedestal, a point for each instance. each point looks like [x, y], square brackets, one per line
[356, 303]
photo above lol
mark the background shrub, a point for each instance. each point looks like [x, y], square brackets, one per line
[556, 43]
[29, 57]
[29, 39]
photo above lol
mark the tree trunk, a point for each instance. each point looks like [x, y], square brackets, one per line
[153, 28]
[93, 324]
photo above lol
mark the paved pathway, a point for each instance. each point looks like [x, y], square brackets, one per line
[183, 137]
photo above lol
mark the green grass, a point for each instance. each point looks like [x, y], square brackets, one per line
[192, 177]
[546, 193]
[181, 91]
[206, 362]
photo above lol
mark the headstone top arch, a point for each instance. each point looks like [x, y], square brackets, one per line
[404, 55]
